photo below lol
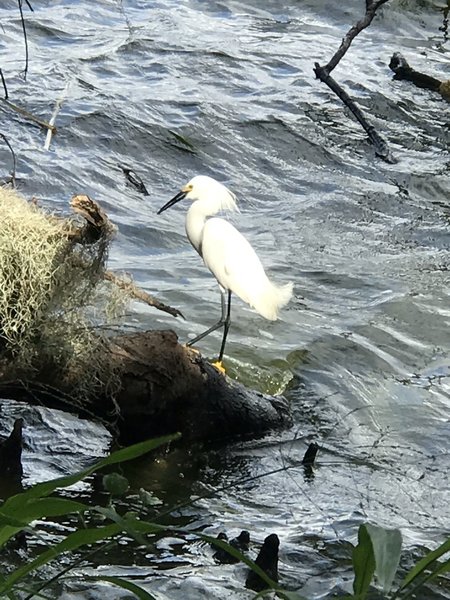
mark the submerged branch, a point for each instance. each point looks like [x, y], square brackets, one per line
[24, 29]
[4, 85]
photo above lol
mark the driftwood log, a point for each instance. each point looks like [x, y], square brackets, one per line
[164, 387]
[402, 70]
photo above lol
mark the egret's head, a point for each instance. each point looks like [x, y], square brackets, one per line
[206, 190]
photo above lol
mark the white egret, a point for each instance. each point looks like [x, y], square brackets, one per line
[227, 254]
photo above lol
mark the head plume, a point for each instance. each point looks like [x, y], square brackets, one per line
[202, 187]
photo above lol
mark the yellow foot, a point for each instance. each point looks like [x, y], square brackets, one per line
[219, 366]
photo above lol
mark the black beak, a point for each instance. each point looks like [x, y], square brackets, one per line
[174, 200]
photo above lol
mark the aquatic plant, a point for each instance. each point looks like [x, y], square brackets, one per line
[376, 556]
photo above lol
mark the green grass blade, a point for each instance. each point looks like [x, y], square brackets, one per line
[37, 508]
[363, 563]
[124, 584]
[72, 542]
[424, 564]
[25, 510]
[48, 487]
[439, 570]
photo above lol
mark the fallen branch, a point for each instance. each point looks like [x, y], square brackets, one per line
[402, 70]
[29, 116]
[98, 226]
[323, 73]
[134, 291]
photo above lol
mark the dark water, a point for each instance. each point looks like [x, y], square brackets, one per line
[362, 350]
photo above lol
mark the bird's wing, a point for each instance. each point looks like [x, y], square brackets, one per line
[232, 260]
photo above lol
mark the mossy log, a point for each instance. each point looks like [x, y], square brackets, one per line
[141, 384]
[165, 387]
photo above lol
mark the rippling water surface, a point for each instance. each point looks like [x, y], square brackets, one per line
[227, 89]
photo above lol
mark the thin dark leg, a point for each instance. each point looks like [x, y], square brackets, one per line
[226, 326]
[220, 323]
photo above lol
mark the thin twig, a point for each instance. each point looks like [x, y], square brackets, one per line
[13, 174]
[4, 85]
[25, 71]
[29, 116]
[136, 292]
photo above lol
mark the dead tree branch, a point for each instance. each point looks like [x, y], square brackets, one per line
[98, 226]
[323, 73]
[402, 70]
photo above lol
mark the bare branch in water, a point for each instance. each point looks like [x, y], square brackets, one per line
[29, 116]
[323, 73]
[138, 294]
[4, 85]
[371, 8]
[13, 173]
[24, 29]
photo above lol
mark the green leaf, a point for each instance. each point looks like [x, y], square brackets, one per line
[424, 564]
[11, 521]
[440, 569]
[131, 525]
[387, 545]
[363, 563]
[20, 507]
[48, 487]
[126, 585]
[116, 484]
[72, 542]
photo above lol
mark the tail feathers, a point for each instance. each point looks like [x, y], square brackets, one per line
[272, 299]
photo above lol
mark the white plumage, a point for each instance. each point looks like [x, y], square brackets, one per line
[226, 252]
